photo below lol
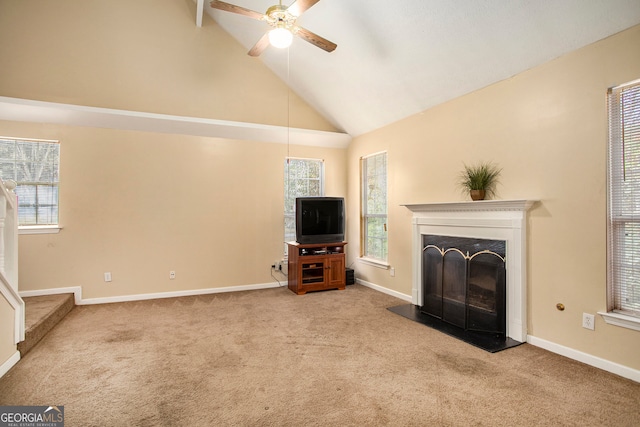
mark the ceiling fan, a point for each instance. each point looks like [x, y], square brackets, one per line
[283, 20]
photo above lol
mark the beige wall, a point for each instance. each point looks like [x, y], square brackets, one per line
[547, 128]
[143, 55]
[7, 323]
[141, 204]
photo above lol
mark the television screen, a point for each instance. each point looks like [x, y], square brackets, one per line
[320, 219]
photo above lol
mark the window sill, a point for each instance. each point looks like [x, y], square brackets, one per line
[374, 262]
[623, 320]
[39, 229]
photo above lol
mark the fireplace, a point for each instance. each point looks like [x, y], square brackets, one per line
[464, 282]
[482, 291]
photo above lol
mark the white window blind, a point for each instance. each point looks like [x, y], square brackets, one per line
[624, 200]
[34, 165]
[374, 206]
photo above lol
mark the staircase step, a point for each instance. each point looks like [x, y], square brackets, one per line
[42, 313]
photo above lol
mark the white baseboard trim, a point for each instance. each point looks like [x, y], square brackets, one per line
[4, 368]
[174, 294]
[378, 288]
[75, 290]
[606, 365]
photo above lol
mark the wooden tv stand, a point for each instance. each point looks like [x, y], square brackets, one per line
[316, 267]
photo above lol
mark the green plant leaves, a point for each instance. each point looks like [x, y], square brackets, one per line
[483, 176]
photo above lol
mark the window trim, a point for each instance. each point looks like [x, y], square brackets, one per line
[39, 228]
[286, 178]
[614, 316]
[619, 319]
[365, 258]
[374, 262]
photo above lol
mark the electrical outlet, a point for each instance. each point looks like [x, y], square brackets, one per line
[392, 272]
[172, 275]
[588, 321]
[107, 276]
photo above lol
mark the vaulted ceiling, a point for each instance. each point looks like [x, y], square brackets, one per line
[397, 58]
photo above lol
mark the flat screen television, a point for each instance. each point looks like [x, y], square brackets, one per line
[320, 219]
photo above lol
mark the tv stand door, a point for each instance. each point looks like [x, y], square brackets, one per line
[336, 273]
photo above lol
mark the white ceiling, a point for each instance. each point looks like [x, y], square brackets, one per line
[397, 58]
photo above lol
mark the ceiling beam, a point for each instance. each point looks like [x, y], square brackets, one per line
[24, 110]
[199, 12]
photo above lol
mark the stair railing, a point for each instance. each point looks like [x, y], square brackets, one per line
[9, 255]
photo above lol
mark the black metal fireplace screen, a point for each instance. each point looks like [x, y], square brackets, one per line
[464, 282]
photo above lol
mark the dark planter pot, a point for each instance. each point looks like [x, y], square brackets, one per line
[477, 194]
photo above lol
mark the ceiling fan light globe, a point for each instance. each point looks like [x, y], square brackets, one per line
[280, 38]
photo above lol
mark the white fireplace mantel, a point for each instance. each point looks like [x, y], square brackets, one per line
[477, 206]
[487, 219]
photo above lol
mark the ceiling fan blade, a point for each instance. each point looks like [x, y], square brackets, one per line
[316, 40]
[260, 46]
[299, 6]
[227, 7]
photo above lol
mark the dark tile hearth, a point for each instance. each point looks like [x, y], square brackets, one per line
[488, 342]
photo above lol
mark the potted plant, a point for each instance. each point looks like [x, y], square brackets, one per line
[480, 180]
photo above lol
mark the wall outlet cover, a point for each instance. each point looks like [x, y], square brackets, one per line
[589, 321]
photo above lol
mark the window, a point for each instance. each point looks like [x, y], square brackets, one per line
[34, 165]
[302, 177]
[374, 207]
[623, 231]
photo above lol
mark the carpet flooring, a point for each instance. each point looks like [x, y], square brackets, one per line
[42, 313]
[272, 358]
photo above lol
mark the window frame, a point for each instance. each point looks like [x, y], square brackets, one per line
[366, 256]
[291, 216]
[620, 313]
[38, 228]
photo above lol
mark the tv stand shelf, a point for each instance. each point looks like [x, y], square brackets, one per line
[316, 267]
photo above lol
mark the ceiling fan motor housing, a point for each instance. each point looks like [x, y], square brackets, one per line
[278, 16]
